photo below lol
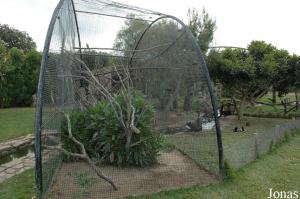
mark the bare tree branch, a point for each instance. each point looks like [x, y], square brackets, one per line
[83, 154]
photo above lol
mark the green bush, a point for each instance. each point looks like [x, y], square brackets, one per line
[271, 146]
[294, 131]
[18, 76]
[286, 136]
[104, 137]
[229, 171]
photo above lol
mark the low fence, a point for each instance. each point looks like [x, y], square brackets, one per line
[247, 150]
[273, 115]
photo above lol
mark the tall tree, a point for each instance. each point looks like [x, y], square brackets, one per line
[19, 66]
[202, 27]
[5, 67]
[15, 38]
[19, 78]
[11, 82]
[130, 33]
[5, 62]
[247, 73]
[282, 73]
[30, 73]
[293, 78]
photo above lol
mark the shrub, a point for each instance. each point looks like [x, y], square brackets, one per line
[104, 137]
[84, 179]
[286, 136]
[294, 131]
[229, 171]
[271, 146]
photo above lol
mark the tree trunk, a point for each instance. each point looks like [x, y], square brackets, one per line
[297, 102]
[187, 104]
[175, 102]
[274, 96]
[284, 106]
[198, 122]
[241, 108]
[172, 97]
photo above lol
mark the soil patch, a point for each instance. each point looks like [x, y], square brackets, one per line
[175, 170]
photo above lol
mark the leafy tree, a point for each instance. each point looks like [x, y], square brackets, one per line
[157, 39]
[30, 73]
[202, 27]
[248, 74]
[200, 106]
[282, 75]
[5, 67]
[130, 33]
[162, 41]
[293, 78]
[19, 65]
[11, 81]
[5, 61]
[18, 84]
[103, 136]
[95, 60]
[15, 80]
[294, 63]
[15, 38]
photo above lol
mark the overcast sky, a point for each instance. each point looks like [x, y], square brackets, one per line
[238, 21]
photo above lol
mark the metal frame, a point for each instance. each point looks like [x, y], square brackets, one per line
[208, 79]
[108, 15]
[77, 27]
[39, 104]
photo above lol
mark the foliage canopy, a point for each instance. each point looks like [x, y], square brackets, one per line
[104, 137]
[14, 38]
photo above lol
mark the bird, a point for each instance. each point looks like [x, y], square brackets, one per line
[192, 126]
[237, 129]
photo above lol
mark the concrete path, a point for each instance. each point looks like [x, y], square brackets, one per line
[19, 165]
[12, 146]
[16, 166]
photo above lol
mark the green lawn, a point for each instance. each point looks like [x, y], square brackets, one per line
[272, 111]
[18, 187]
[202, 147]
[268, 97]
[279, 171]
[15, 122]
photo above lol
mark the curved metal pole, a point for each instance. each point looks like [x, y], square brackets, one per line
[77, 27]
[208, 79]
[78, 37]
[141, 37]
[39, 103]
[234, 47]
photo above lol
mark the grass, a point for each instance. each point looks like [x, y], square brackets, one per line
[202, 147]
[15, 122]
[268, 97]
[272, 111]
[279, 170]
[268, 111]
[84, 179]
[18, 187]
[257, 125]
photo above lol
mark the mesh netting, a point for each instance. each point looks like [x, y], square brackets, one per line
[96, 50]
[248, 149]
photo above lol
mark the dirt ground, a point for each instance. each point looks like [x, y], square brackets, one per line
[175, 170]
[173, 119]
